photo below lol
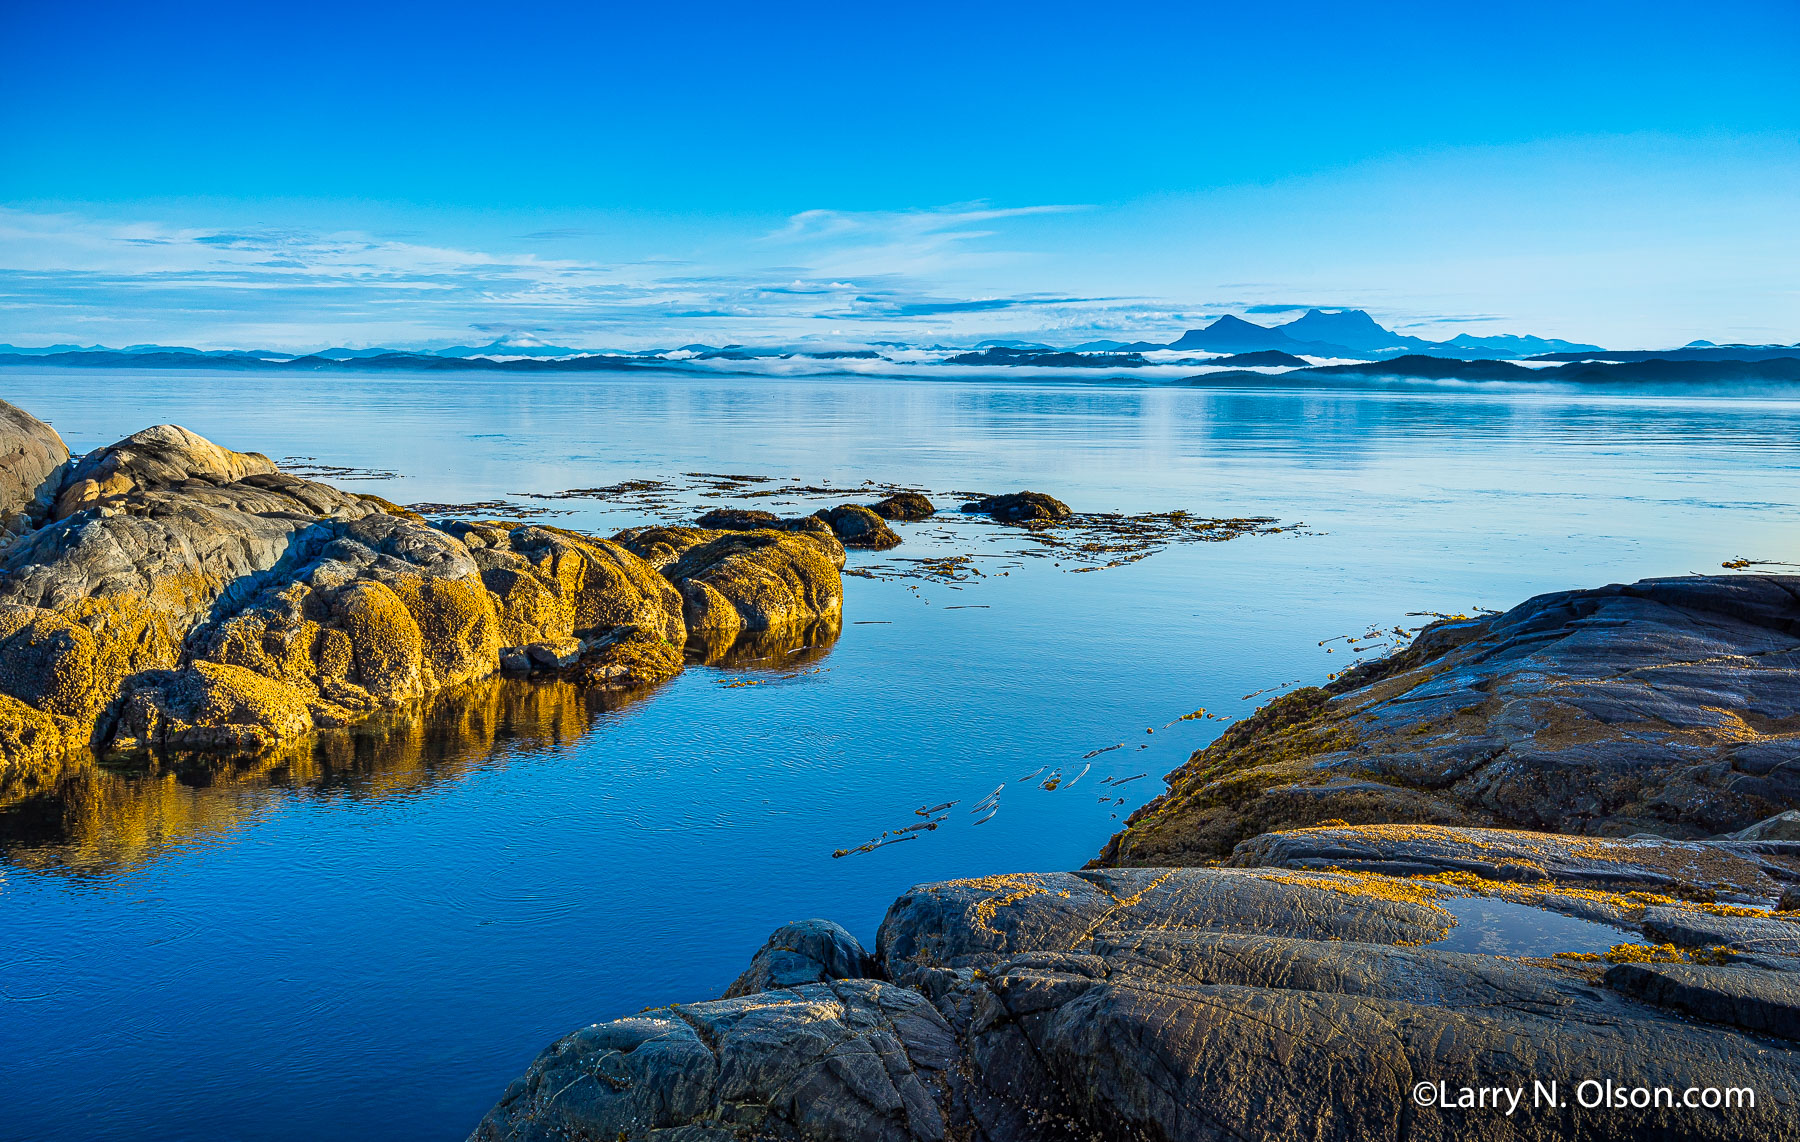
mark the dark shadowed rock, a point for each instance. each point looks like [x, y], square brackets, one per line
[1753, 998]
[1020, 507]
[857, 526]
[1780, 827]
[1663, 707]
[847, 1061]
[909, 506]
[806, 951]
[1702, 870]
[737, 519]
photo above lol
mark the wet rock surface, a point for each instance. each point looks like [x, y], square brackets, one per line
[1669, 707]
[1752, 998]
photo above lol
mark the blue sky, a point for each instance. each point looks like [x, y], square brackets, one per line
[622, 176]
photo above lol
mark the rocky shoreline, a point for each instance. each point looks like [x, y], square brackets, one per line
[166, 593]
[1278, 946]
[1257, 955]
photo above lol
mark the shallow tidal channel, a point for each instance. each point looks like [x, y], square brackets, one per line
[371, 936]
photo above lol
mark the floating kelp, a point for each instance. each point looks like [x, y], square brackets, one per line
[661, 498]
[892, 837]
[311, 468]
[1100, 540]
[734, 683]
[1269, 690]
[485, 509]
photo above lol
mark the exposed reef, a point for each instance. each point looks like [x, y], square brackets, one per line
[1019, 507]
[1669, 706]
[164, 592]
[910, 506]
[1344, 981]
[858, 526]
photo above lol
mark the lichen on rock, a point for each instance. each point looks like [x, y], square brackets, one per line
[738, 581]
[166, 592]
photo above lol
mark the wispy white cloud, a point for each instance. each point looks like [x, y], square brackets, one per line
[905, 241]
[66, 276]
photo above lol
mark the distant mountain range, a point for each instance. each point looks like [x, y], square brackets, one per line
[1344, 333]
[1421, 367]
[1229, 343]
[1353, 333]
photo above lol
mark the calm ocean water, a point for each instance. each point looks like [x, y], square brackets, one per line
[372, 943]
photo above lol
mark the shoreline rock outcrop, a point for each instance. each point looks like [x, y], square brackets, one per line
[33, 460]
[1669, 706]
[1184, 1003]
[164, 592]
[1321, 981]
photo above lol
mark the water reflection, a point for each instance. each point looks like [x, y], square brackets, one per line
[96, 820]
[766, 650]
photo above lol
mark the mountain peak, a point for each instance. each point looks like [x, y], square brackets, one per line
[1333, 325]
[1231, 334]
